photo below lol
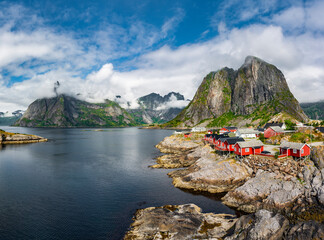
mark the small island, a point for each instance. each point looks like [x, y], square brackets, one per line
[19, 138]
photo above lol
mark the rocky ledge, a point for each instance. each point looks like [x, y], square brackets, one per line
[212, 173]
[17, 138]
[180, 152]
[179, 222]
[285, 198]
[187, 222]
[265, 224]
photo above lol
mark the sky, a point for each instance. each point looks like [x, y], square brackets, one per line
[103, 48]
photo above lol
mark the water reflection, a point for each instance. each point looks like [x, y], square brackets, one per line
[85, 184]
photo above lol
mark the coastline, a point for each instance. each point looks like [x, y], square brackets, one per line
[18, 138]
[285, 193]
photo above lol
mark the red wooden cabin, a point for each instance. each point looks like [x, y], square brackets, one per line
[295, 149]
[273, 131]
[248, 148]
[228, 129]
[230, 142]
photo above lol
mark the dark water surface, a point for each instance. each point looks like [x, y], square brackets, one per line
[84, 184]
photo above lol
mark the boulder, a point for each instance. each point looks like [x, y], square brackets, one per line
[317, 156]
[177, 144]
[213, 174]
[264, 191]
[178, 160]
[308, 230]
[179, 222]
[261, 225]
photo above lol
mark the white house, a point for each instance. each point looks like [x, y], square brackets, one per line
[198, 129]
[247, 133]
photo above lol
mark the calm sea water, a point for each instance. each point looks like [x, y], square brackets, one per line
[84, 184]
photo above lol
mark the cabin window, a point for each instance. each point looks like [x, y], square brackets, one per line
[302, 151]
[295, 151]
[239, 149]
[247, 150]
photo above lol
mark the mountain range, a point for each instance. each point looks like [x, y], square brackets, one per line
[68, 111]
[252, 95]
[154, 108]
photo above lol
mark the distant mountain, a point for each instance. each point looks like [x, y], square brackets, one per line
[154, 100]
[7, 119]
[314, 110]
[254, 94]
[67, 111]
[154, 108]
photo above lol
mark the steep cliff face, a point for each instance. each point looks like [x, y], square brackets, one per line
[257, 90]
[66, 111]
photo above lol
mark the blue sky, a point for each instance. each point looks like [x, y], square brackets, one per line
[100, 49]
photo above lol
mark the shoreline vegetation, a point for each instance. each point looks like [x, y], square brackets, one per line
[280, 198]
[19, 138]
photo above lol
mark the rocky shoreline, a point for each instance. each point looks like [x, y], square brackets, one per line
[17, 138]
[284, 198]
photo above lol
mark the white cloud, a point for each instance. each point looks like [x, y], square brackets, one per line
[292, 18]
[61, 57]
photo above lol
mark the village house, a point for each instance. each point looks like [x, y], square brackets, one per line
[230, 142]
[248, 148]
[180, 131]
[247, 133]
[211, 131]
[275, 124]
[187, 135]
[198, 129]
[228, 129]
[273, 131]
[294, 149]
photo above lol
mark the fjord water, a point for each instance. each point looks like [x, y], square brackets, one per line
[84, 183]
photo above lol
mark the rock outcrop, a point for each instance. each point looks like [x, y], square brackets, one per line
[261, 225]
[257, 91]
[265, 224]
[298, 199]
[179, 222]
[16, 138]
[66, 111]
[264, 191]
[212, 174]
[180, 152]
[178, 144]
[317, 156]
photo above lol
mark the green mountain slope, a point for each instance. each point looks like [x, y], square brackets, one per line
[66, 111]
[314, 110]
[253, 94]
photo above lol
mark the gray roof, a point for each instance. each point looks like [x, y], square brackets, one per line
[248, 131]
[277, 129]
[253, 143]
[273, 124]
[293, 145]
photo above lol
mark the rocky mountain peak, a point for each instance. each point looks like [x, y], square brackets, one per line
[154, 100]
[255, 92]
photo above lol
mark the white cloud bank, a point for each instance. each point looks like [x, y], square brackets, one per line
[299, 54]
